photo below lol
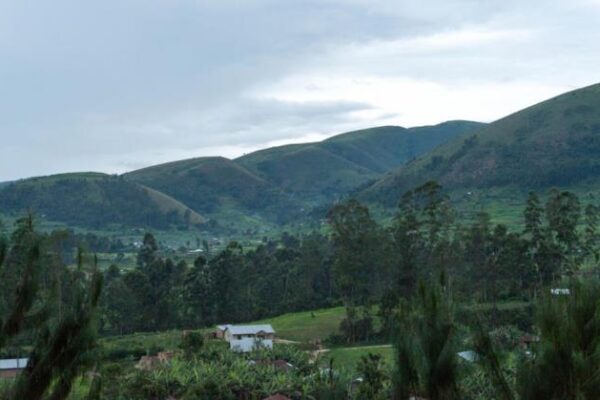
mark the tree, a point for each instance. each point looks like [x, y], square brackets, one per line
[408, 244]
[60, 354]
[478, 250]
[533, 215]
[147, 253]
[591, 231]
[565, 361]
[226, 270]
[371, 368]
[355, 241]
[199, 294]
[563, 212]
[425, 347]
[191, 343]
[63, 336]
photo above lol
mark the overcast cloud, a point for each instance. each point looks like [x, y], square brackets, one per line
[115, 85]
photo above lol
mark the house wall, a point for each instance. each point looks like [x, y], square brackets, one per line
[247, 344]
[9, 373]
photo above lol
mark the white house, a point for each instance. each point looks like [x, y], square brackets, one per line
[244, 338]
[10, 368]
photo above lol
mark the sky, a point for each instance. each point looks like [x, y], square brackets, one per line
[116, 85]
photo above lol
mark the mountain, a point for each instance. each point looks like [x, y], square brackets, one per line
[322, 171]
[553, 143]
[95, 200]
[209, 184]
[275, 185]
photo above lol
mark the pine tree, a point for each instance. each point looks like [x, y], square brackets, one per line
[425, 347]
[63, 340]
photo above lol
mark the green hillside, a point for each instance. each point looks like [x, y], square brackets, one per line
[331, 168]
[94, 200]
[208, 184]
[553, 143]
[272, 186]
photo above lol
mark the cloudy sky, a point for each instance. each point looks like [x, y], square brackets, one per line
[115, 85]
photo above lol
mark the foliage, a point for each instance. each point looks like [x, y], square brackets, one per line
[554, 143]
[426, 362]
[565, 362]
[101, 200]
[57, 315]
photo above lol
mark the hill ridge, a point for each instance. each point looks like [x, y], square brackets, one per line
[552, 143]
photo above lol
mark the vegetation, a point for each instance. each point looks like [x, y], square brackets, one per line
[95, 200]
[274, 186]
[50, 308]
[551, 144]
[439, 300]
[326, 170]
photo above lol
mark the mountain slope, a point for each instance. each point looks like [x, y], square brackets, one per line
[553, 143]
[208, 183]
[323, 170]
[95, 200]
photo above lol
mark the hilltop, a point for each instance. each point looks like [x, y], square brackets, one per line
[323, 171]
[95, 200]
[553, 143]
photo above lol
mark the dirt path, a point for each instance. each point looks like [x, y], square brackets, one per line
[375, 346]
[284, 341]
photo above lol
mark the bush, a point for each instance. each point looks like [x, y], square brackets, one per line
[192, 343]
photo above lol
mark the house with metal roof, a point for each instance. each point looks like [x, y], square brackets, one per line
[244, 338]
[10, 368]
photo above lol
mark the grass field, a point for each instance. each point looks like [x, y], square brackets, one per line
[300, 327]
[307, 325]
[347, 357]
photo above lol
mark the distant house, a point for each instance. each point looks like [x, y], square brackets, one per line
[560, 291]
[526, 341]
[244, 338]
[468, 355]
[220, 331]
[10, 368]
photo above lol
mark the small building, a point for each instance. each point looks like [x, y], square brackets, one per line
[10, 368]
[527, 341]
[468, 355]
[220, 331]
[245, 338]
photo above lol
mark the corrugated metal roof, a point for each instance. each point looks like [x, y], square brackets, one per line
[223, 327]
[250, 329]
[468, 355]
[13, 363]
